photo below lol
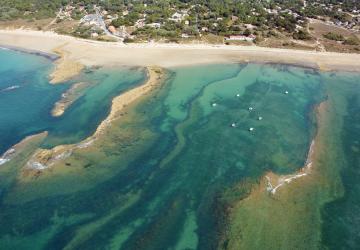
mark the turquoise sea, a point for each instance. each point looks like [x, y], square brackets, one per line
[27, 98]
[169, 173]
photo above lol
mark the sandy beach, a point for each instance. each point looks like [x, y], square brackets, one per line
[77, 53]
[94, 53]
[65, 67]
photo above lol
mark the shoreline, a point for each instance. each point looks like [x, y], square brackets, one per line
[65, 68]
[43, 159]
[275, 182]
[51, 56]
[14, 150]
[68, 98]
[295, 200]
[95, 53]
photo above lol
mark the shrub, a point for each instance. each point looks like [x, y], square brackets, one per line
[128, 40]
[302, 35]
[352, 41]
[334, 36]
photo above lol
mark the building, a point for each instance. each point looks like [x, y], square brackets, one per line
[112, 29]
[154, 25]
[178, 17]
[249, 38]
[140, 23]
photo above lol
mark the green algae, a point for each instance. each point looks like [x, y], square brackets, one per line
[165, 175]
[309, 213]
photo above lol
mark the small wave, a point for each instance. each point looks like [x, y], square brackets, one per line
[10, 88]
[3, 161]
[3, 48]
[7, 156]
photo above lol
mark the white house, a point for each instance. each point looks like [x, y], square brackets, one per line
[249, 38]
[178, 17]
[154, 25]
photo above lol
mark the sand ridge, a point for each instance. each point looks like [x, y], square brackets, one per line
[45, 158]
[65, 68]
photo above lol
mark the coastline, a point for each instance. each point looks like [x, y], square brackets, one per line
[47, 55]
[95, 53]
[65, 68]
[44, 158]
[15, 149]
[295, 200]
[275, 182]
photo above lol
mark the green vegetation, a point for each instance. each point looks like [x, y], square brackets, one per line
[340, 38]
[334, 36]
[170, 19]
[352, 41]
[302, 35]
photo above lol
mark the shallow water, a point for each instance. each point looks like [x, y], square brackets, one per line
[26, 109]
[161, 177]
[341, 227]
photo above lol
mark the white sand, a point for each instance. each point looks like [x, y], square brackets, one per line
[170, 55]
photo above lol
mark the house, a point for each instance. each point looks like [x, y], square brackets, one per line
[249, 38]
[204, 29]
[183, 35]
[140, 23]
[112, 29]
[249, 26]
[178, 17]
[154, 25]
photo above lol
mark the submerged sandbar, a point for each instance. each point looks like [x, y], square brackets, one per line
[44, 158]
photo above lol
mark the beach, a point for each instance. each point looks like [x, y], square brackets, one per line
[94, 53]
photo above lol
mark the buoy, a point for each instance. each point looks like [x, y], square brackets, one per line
[233, 125]
[214, 104]
[286, 92]
[238, 95]
[250, 108]
[260, 118]
[251, 129]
